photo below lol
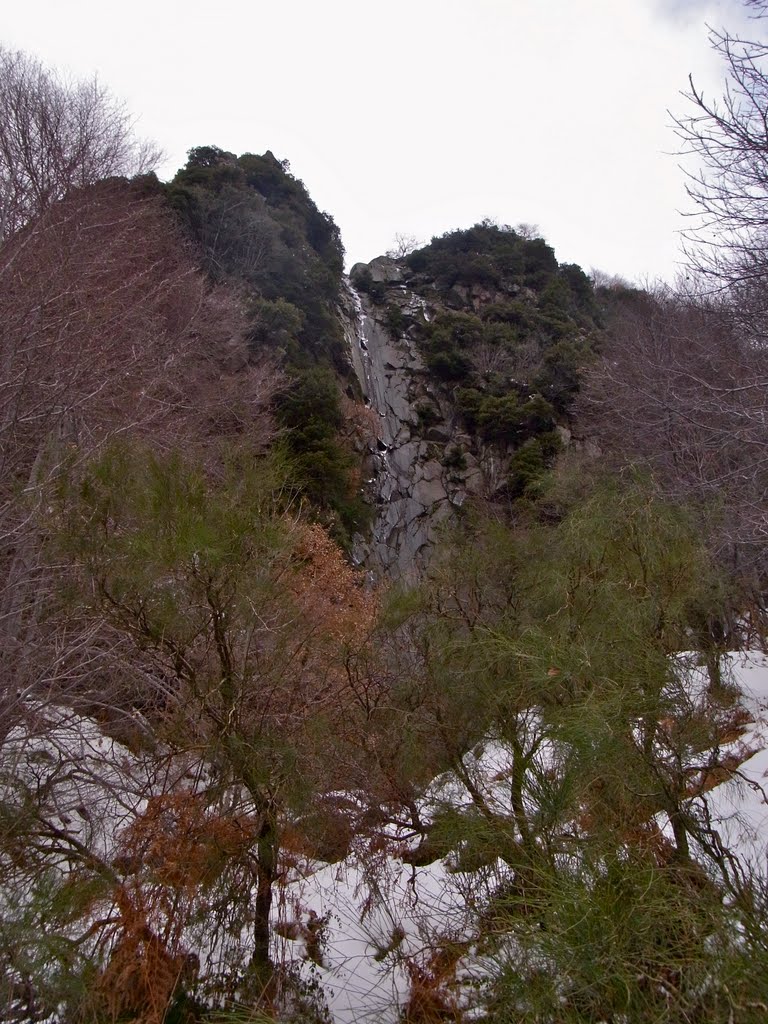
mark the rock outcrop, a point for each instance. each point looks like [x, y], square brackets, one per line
[468, 352]
[419, 470]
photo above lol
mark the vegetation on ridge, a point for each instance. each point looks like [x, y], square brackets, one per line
[258, 228]
[509, 336]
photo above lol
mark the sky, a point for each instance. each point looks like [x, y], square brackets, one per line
[420, 116]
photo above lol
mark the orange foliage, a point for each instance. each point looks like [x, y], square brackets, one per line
[721, 772]
[432, 996]
[328, 591]
[362, 423]
[183, 842]
[173, 850]
[139, 981]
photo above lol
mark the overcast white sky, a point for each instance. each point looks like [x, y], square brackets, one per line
[418, 116]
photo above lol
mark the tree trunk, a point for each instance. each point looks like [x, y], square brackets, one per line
[261, 961]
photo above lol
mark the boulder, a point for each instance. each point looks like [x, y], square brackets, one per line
[386, 270]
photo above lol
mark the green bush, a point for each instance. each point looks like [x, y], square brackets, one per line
[469, 402]
[274, 322]
[516, 312]
[395, 320]
[448, 364]
[484, 255]
[454, 458]
[427, 413]
[579, 284]
[560, 373]
[529, 463]
[455, 329]
[556, 296]
[506, 419]
[323, 466]
[362, 279]
[500, 419]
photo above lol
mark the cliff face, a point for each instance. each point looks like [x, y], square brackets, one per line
[412, 489]
[468, 353]
[419, 471]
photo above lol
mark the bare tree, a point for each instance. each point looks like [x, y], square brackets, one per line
[107, 329]
[527, 231]
[680, 391]
[609, 282]
[403, 246]
[56, 135]
[727, 138]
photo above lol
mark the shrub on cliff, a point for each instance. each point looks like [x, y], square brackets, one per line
[257, 225]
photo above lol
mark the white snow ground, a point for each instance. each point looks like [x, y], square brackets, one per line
[739, 806]
[381, 915]
[426, 901]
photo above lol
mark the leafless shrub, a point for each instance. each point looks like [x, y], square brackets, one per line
[56, 135]
[403, 246]
[680, 391]
[107, 329]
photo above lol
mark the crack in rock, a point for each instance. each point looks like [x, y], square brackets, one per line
[413, 492]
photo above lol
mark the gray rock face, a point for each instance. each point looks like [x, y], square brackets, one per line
[384, 268]
[414, 494]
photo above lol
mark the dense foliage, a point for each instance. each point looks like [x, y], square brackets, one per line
[257, 226]
[517, 312]
[256, 223]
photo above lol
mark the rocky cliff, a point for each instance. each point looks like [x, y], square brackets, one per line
[420, 468]
[468, 353]
[407, 481]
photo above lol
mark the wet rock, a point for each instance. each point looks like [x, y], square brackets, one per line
[386, 270]
[414, 494]
[438, 433]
